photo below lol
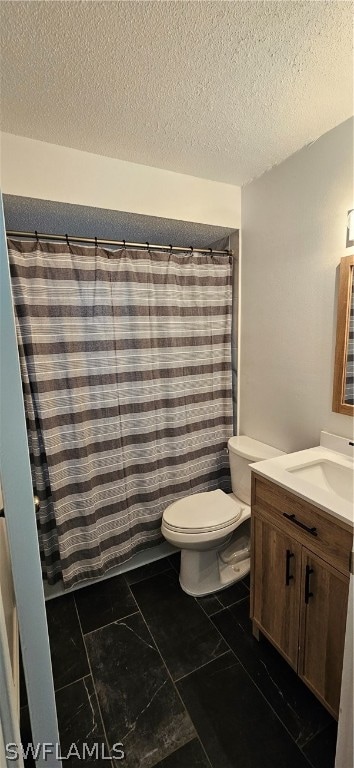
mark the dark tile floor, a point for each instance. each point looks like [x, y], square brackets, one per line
[180, 682]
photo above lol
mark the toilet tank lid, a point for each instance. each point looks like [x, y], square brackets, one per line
[252, 449]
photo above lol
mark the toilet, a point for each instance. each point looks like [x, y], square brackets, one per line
[212, 529]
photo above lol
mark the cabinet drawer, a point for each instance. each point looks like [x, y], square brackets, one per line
[307, 524]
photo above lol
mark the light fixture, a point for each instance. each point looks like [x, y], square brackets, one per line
[350, 228]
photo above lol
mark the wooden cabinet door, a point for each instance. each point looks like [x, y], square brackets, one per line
[324, 599]
[276, 573]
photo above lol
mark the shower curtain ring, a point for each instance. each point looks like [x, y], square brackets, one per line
[67, 240]
[124, 244]
[36, 233]
[171, 249]
[192, 249]
[148, 246]
[96, 244]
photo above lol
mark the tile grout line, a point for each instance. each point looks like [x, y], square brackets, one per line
[180, 698]
[67, 685]
[176, 570]
[94, 685]
[264, 697]
[177, 692]
[189, 673]
[276, 715]
[208, 614]
[311, 739]
[146, 578]
[127, 615]
[133, 596]
[197, 669]
[115, 621]
[222, 606]
[225, 607]
[167, 670]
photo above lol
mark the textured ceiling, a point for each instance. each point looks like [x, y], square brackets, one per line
[29, 214]
[220, 90]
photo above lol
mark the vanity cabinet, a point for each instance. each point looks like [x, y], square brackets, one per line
[299, 585]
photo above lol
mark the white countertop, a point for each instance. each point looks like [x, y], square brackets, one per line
[276, 470]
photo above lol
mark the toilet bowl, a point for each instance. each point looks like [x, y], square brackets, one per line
[212, 529]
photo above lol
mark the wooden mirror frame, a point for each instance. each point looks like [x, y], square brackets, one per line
[346, 277]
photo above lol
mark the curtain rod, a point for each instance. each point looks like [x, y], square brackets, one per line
[99, 241]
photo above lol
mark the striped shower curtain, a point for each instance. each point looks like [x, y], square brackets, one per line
[126, 369]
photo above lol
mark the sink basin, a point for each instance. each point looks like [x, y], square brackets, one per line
[328, 475]
[322, 476]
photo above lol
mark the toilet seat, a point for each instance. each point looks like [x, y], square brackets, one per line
[203, 513]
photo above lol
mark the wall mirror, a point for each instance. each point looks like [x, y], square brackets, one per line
[343, 383]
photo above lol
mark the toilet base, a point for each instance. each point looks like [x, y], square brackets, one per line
[204, 573]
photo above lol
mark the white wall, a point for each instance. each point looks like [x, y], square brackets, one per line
[37, 169]
[293, 237]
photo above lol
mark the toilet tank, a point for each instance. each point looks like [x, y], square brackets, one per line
[244, 451]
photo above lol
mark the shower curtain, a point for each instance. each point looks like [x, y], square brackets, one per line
[126, 367]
